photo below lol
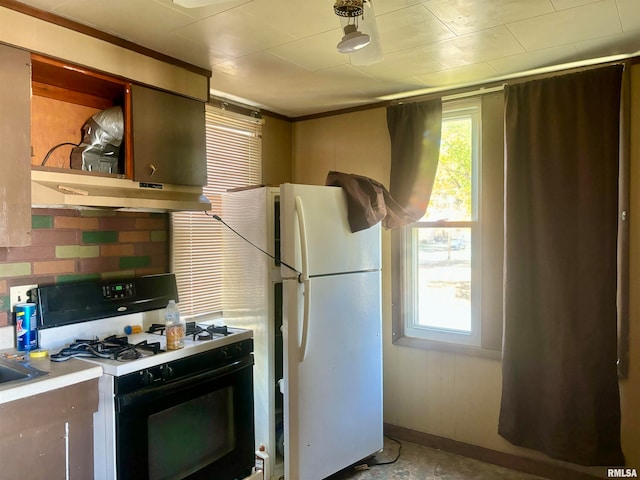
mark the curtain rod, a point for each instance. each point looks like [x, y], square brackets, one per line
[452, 96]
[473, 93]
[516, 79]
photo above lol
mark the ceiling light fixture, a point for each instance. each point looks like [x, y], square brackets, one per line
[348, 8]
[353, 39]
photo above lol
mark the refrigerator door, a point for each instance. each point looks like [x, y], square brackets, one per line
[320, 214]
[333, 373]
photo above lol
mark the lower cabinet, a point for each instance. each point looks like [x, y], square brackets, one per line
[49, 436]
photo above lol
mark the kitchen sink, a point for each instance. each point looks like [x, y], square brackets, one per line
[15, 370]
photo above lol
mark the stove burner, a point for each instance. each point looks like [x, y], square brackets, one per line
[128, 355]
[221, 330]
[194, 331]
[156, 328]
[112, 348]
[153, 347]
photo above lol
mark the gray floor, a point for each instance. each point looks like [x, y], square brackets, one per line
[422, 463]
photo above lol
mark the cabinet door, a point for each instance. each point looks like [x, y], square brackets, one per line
[15, 138]
[47, 435]
[168, 133]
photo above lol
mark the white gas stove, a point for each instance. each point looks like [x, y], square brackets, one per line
[203, 391]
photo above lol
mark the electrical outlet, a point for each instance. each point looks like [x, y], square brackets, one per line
[19, 294]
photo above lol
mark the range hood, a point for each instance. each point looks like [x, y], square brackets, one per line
[53, 189]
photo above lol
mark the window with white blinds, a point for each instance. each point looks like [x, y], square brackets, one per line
[234, 159]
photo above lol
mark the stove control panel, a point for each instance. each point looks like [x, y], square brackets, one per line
[198, 366]
[118, 290]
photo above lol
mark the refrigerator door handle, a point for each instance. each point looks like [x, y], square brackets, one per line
[303, 277]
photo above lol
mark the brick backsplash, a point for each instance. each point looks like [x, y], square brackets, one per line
[69, 245]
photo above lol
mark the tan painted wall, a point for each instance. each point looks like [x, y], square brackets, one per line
[277, 158]
[445, 394]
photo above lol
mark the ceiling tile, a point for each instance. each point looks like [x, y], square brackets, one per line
[200, 13]
[568, 26]
[527, 61]
[482, 46]
[410, 27]
[261, 68]
[315, 52]
[564, 4]
[460, 76]
[629, 15]
[337, 79]
[467, 16]
[294, 94]
[386, 6]
[613, 45]
[196, 53]
[409, 63]
[299, 19]
[122, 17]
[234, 33]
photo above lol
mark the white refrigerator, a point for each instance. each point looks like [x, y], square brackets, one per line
[316, 315]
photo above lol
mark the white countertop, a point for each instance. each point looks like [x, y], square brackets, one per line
[62, 374]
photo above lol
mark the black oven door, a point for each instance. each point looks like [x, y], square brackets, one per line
[193, 428]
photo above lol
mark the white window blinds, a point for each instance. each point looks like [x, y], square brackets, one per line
[234, 159]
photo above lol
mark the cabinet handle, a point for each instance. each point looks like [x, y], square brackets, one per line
[152, 169]
[66, 450]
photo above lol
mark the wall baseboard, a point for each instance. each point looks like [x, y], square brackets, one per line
[502, 459]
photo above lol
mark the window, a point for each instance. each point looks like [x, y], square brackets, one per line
[441, 246]
[234, 159]
[447, 267]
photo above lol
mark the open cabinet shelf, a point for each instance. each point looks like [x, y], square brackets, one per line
[63, 98]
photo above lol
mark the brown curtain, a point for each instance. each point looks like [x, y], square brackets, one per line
[623, 227]
[414, 130]
[560, 386]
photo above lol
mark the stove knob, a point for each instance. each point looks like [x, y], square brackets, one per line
[225, 353]
[167, 373]
[146, 377]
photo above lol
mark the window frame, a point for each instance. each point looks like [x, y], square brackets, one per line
[487, 246]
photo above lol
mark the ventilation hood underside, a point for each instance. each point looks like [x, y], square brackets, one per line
[57, 189]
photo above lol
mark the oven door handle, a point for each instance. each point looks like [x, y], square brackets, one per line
[152, 393]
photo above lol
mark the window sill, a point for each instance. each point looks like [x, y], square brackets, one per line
[414, 342]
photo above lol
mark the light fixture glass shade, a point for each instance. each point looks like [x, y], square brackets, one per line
[353, 40]
[348, 8]
[367, 24]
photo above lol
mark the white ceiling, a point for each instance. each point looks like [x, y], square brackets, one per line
[281, 54]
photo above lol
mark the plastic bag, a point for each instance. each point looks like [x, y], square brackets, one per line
[99, 150]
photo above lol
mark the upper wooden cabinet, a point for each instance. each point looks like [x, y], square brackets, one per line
[64, 98]
[168, 136]
[164, 133]
[44, 104]
[15, 186]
